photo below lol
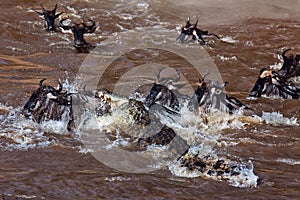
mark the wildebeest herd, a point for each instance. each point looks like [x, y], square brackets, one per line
[48, 103]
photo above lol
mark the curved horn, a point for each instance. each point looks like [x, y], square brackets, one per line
[224, 84]
[41, 82]
[60, 87]
[43, 9]
[178, 76]
[195, 25]
[72, 93]
[203, 77]
[54, 10]
[284, 52]
[158, 74]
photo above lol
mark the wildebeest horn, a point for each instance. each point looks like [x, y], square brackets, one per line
[43, 9]
[195, 25]
[284, 52]
[158, 74]
[54, 10]
[200, 80]
[178, 76]
[41, 82]
[188, 21]
[225, 83]
[59, 87]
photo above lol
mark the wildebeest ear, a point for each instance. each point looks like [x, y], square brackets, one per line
[188, 20]
[57, 15]
[224, 84]
[65, 24]
[90, 26]
[51, 96]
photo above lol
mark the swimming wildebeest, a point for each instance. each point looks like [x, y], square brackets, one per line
[49, 17]
[210, 95]
[165, 93]
[196, 33]
[78, 30]
[271, 83]
[48, 103]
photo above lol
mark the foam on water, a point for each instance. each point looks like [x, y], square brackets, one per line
[289, 161]
[277, 118]
[117, 178]
[19, 133]
[225, 58]
[245, 179]
[229, 39]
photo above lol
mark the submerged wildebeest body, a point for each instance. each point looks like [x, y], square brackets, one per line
[196, 33]
[78, 30]
[49, 17]
[273, 83]
[48, 103]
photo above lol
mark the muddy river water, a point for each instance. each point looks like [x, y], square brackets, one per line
[47, 162]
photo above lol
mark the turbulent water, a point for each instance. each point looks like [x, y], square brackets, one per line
[44, 161]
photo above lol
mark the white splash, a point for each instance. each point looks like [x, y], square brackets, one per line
[225, 58]
[229, 39]
[289, 161]
[277, 118]
[117, 178]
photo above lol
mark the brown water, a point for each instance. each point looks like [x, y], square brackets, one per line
[51, 165]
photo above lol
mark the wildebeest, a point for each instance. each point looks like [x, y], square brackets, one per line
[164, 93]
[196, 33]
[271, 83]
[49, 17]
[210, 95]
[48, 103]
[78, 30]
[291, 65]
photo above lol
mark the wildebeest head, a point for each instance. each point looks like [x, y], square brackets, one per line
[291, 65]
[263, 84]
[49, 16]
[187, 30]
[78, 30]
[163, 93]
[48, 103]
[271, 83]
[211, 95]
